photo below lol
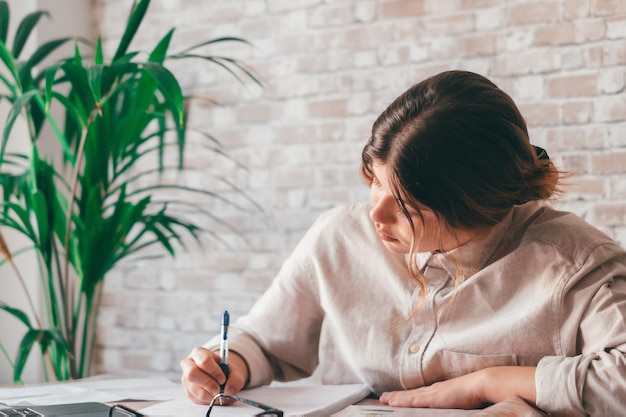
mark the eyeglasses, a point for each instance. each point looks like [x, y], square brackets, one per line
[267, 410]
[120, 410]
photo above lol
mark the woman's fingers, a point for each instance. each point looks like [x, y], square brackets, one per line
[201, 375]
[208, 362]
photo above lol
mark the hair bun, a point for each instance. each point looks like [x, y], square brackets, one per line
[541, 153]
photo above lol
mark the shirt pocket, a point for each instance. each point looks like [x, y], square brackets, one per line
[448, 364]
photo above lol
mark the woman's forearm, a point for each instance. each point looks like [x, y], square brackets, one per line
[503, 382]
[473, 390]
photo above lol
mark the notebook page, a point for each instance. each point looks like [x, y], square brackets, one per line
[298, 401]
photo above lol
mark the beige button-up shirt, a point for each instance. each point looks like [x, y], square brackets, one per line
[543, 289]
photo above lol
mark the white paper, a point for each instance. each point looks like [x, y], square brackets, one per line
[292, 400]
[96, 389]
[383, 411]
[140, 389]
[14, 395]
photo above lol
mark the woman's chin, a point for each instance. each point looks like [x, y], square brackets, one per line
[395, 246]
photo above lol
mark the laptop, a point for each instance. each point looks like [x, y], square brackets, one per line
[91, 409]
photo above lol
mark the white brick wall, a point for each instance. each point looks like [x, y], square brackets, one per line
[329, 68]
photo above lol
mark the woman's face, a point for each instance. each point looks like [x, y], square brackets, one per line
[393, 227]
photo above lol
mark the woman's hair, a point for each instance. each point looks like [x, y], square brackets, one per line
[458, 145]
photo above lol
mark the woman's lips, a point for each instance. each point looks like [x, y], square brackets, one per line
[384, 236]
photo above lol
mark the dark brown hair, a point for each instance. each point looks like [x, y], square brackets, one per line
[458, 145]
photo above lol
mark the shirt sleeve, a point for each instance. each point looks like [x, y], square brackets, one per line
[592, 379]
[279, 337]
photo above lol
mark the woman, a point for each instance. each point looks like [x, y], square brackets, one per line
[456, 287]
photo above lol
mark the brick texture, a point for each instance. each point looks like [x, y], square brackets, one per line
[328, 69]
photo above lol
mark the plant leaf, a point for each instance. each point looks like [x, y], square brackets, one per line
[50, 75]
[76, 114]
[216, 40]
[26, 345]
[40, 209]
[46, 49]
[134, 20]
[169, 87]
[4, 20]
[224, 62]
[15, 111]
[9, 86]
[94, 75]
[56, 336]
[79, 79]
[99, 57]
[127, 132]
[23, 216]
[4, 248]
[9, 62]
[159, 53]
[44, 337]
[17, 313]
[13, 224]
[24, 30]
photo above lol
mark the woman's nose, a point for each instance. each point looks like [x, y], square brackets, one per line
[383, 210]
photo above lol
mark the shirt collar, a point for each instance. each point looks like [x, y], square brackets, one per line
[470, 257]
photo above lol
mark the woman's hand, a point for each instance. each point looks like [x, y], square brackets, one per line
[458, 392]
[474, 390]
[202, 375]
[512, 407]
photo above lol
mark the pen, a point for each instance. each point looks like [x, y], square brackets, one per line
[224, 349]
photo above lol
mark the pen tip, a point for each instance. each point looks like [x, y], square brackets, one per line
[225, 318]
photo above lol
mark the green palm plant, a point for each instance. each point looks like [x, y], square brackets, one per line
[85, 214]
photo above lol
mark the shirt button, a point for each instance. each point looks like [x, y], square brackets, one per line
[414, 348]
